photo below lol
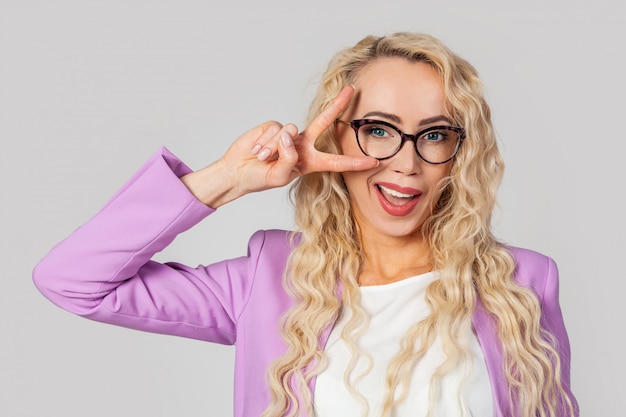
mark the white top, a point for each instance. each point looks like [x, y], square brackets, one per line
[393, 309]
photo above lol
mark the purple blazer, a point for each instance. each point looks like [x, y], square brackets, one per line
[104, 272]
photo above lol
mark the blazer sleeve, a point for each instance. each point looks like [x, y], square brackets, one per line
[540, 273]
[552, 321]
[103, 270]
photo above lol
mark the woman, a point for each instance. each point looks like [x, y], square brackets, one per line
[392, 298]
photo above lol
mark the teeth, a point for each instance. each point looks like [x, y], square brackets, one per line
[395, 193]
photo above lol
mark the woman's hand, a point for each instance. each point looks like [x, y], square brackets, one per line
[272, 155]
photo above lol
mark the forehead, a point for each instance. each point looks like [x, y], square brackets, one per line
[410, 90]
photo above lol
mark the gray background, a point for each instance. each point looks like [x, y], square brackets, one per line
[90, 89]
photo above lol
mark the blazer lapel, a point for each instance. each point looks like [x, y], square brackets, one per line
[486, 331]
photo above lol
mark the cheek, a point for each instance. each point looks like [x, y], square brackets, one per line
[359, 191]
[434, 174]
[437, 180]
[356, 183]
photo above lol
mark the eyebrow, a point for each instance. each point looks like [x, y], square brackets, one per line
[396, 119]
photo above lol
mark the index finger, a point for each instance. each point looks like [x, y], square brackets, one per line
[330, 114]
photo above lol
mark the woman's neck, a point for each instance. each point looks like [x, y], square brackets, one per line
[389, 259]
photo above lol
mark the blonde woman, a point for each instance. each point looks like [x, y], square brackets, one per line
[393, 297]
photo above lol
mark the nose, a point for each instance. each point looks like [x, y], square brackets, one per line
[406, 161]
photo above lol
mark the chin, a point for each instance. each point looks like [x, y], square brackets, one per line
[403, 231]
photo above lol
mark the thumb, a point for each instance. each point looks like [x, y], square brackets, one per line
[342, 163]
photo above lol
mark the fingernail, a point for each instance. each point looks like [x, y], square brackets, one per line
[264, 154]
[286, 138]
[255, 149]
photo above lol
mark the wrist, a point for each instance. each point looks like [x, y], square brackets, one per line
[214, 185]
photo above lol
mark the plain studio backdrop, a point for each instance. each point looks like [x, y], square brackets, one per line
[90, 89]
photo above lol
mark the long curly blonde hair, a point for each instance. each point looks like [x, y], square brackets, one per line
[323, 270]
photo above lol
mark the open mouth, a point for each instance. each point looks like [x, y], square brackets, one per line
[394, 197]
[397, 201]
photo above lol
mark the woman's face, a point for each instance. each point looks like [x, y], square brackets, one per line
[395, 198]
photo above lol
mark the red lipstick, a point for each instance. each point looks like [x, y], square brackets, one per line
[397, 200]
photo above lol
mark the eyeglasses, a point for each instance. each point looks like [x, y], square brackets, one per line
[382, 140]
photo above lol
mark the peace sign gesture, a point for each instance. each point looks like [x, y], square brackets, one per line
[272, 155]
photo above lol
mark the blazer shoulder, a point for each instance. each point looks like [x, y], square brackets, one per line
[271, 248]
[533, 269]
[273, 240]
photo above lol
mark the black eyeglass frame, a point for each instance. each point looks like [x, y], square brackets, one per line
[356, 124]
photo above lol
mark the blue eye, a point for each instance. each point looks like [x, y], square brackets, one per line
[377, 132]
[434, 136]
